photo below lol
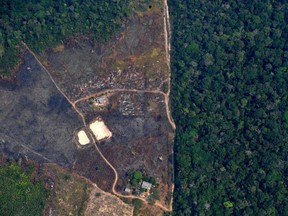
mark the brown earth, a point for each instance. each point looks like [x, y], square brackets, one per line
[101, 203]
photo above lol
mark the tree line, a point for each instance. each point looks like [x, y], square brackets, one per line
[230, 103]
[42, 24]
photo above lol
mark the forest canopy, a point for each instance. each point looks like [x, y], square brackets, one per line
[42, 24]
[230, 103]
[20, 193]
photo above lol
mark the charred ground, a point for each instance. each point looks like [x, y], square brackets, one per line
[36, 120]
[131, 70]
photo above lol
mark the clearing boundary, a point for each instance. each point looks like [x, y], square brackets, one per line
[167, 32]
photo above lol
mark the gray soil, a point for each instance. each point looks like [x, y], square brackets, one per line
[36, 120]
[141, 134]
[90, 165]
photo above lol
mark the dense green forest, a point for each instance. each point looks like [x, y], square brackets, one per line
[44, 23]
[19, 193]
[230, 103]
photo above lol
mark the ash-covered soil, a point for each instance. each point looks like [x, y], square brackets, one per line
[133, 59]
[142, 136]
[36, 120]
[90, 165]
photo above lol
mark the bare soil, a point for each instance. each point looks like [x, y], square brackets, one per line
[101, 203]
[63, 200]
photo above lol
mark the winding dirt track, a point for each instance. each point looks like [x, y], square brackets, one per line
[167, 33]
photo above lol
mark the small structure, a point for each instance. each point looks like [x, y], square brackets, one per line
[100, 101]
[146, 185]
[127, 190]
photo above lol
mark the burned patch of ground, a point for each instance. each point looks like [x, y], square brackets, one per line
[36, 120]
[39, 122]
[134, 59]
[141, 139]
[90, 164]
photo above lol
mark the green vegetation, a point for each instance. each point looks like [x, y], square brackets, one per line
[150, 180]
[19, 195]
[155, 194]
[135, 177]
[228, 204]
[137, 205]
[42, 24]
[229, 92]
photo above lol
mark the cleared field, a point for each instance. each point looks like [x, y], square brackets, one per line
[36, 120]
[101, 203]
[83, 138]
[100, 130]
[134, 58]
[142, 137]
[84, 199]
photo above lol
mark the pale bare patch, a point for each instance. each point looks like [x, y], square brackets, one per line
[101, 203]
[100, 130]
[83, 138]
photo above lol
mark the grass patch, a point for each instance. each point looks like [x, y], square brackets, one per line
[137, 205]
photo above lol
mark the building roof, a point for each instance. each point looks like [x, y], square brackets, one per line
[146, 185]
[127, 190]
